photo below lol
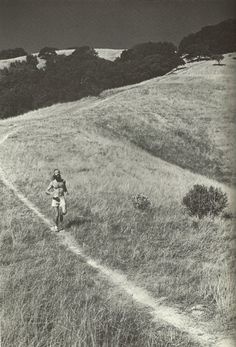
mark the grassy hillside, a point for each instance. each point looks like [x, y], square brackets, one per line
[186, 117]
[107, 149]
[189, 117]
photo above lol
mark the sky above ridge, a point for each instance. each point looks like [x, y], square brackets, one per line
[33, 24]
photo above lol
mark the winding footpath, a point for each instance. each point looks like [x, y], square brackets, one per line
[160, 312]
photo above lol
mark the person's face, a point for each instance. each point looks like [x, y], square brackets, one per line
[57, 173]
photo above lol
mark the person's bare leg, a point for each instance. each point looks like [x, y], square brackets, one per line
[61, 219]
[56, 215]
[62, 211]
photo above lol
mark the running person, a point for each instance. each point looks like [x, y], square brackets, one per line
[57, 188]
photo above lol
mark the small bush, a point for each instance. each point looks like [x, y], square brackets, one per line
[228, 215]
[202, 201]
[141, 202]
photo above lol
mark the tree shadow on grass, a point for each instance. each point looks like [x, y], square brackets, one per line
[219, 64]
[180, 68]
[177, 69]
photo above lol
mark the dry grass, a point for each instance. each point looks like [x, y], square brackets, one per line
[100, 153]
[51, 298]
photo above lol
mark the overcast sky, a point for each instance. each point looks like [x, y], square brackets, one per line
[33, 24]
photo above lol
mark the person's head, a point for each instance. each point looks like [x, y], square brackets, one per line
[56, 174]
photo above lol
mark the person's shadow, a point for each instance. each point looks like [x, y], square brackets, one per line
[76, 222]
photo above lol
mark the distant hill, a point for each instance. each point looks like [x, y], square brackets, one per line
[218, 39]
[105, 53]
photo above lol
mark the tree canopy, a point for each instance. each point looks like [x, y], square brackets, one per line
[219, 38]
[24, 87]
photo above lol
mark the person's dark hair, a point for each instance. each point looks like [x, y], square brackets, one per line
[54, 176]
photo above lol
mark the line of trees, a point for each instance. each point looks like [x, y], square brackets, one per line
[12, 53]
[24, 87]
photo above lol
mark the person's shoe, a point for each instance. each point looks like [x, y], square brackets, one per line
[54, 228]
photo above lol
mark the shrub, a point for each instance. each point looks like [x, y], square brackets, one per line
[228, 215]
[202, 201]
[141, 202]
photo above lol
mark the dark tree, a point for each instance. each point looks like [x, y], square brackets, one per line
[220, 38]
[217, 57]
[147, 49]
[12, 53]
[47, 53]
[32, 60]
[84, 52]
[198, 50]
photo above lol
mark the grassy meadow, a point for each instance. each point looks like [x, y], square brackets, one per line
[107, 154]
[50, 297]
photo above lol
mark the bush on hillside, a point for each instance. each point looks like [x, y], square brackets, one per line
[12, 53]
[201, 201]
[141, 202]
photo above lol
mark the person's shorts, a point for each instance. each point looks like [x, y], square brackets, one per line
[59, 202]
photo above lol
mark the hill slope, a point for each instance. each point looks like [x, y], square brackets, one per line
[186, 117]
[109, 149]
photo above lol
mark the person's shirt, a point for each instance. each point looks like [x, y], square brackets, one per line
[58, 188]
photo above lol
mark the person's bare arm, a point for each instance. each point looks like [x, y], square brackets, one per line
[65, 188]
[49, 189]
